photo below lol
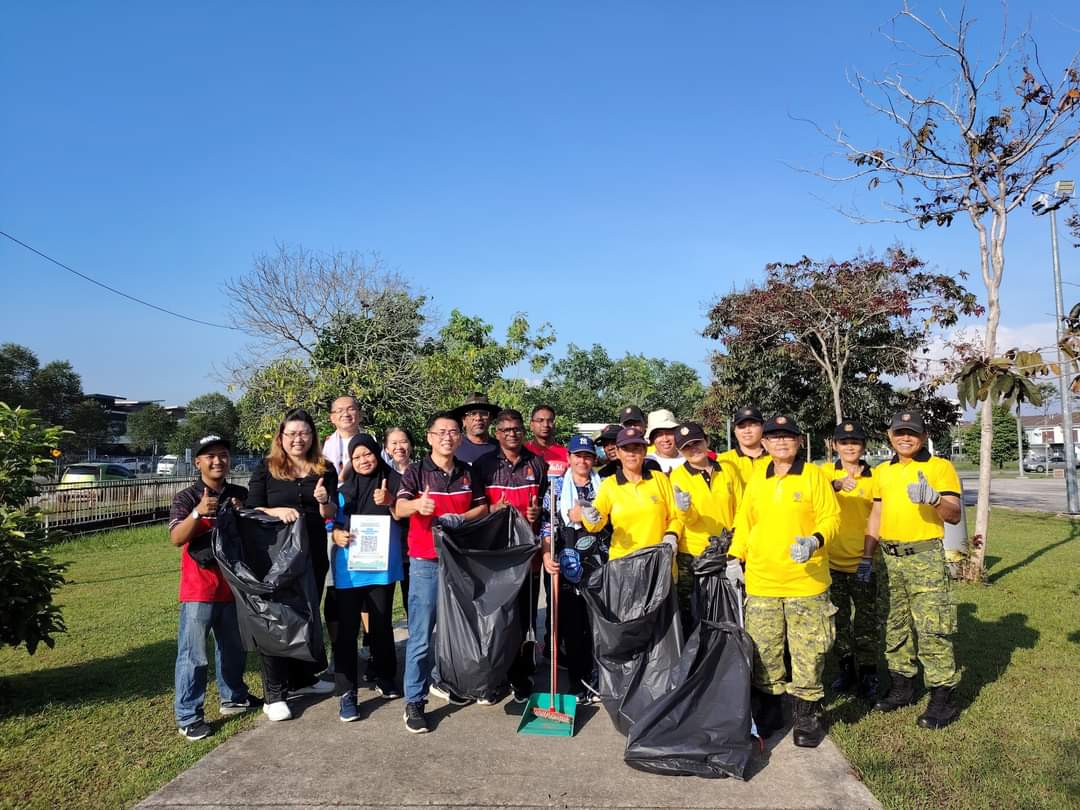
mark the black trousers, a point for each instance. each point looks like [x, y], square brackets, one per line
[378, 601]
[524, 666]
[575, 637]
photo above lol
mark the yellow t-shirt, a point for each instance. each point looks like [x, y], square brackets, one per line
[744, 465]
[847, 548]
[901, 520]
[712, 504]
[640, 513]
[774, 511]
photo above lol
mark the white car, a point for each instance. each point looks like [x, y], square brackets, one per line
[168, 465]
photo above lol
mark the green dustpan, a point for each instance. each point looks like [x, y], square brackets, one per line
[531, 724]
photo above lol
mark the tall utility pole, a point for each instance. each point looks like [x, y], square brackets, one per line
[1063, 189]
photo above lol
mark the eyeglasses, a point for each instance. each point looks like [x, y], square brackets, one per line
[478, 413]
[510, 430]
[350, 409]
[297, 434]
[445, 434]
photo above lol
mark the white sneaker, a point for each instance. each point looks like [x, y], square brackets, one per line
[317, 688]
[276, 711]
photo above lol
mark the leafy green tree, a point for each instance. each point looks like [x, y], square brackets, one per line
[18, 364]
[52, 390]
[28, 576]
[206, 414]
[150, 428]
[1004, 449]
[87, 427]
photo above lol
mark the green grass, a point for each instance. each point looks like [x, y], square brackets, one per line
[1017, 742]
[90, 723]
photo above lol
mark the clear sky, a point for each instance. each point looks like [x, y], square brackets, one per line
[562, 159]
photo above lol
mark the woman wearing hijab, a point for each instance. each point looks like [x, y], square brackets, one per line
[367, 488]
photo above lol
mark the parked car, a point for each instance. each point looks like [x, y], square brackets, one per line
[168, 465]
[79, 483]
[131, 463]
[1037, 464]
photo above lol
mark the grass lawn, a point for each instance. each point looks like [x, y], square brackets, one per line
[1017, 743]
[90, 723]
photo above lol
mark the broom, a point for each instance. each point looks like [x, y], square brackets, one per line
[553, 713]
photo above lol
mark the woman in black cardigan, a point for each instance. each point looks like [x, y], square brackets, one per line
[294, 482]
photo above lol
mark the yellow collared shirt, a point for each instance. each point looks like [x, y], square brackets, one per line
[847, 548]
[712, 504]
[640, 513]
[774, 511]
[901, 520]
[744, 465]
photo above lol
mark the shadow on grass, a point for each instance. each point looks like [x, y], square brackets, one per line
[143, 672]
[984, 649]
[1074, 533]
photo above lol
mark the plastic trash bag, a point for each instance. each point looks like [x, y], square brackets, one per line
[268, 568]
[481, 618]
[637, 639]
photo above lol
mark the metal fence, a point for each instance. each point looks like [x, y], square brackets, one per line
[84, 507]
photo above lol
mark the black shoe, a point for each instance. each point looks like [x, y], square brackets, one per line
[230, 707]
[386, 689]
[198, 730]
[941, 710]
[809, 726]
[519, 693]
[846, 680]
[901, 693]
[768, 712]
[868, 683]
[415, 719]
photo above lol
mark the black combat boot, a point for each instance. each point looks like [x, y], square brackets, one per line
[846, 680]
[768, 712]
[901, 693]
[868, 683]
[941, 710]
[809, 727]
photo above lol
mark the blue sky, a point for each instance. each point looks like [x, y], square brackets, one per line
[540, 157]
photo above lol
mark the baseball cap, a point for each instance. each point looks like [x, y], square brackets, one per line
[581, 444]
[608, 434]
[630, 435]
[689, 432]
[908, 420]
[782, 423]
[206, 441]
[747, 413]
[631, 413]
[849, 429]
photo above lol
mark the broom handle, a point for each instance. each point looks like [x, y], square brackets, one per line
[554, 608]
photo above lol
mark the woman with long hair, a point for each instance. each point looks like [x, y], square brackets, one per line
[294, 482]
[368, 487]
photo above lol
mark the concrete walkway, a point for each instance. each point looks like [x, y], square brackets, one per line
[474, 758]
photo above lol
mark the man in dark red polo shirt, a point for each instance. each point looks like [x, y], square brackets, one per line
[515, 476]
[542, 424]
[206, 603]
[443, 488]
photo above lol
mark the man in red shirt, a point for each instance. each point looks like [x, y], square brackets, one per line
[542, 423]
[206, 603]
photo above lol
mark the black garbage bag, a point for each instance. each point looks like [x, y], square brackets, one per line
[481, 621]
[268, 568]
[637, 640]
[714, 598]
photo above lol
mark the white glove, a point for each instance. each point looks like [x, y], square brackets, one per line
[803, 547]
[734, 572]
[682, 500]
[673, 541]
[922, 492]
[589, 512]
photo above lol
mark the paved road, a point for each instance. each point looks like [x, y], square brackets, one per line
[1037, 494]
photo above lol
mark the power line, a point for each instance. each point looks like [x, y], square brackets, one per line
[113, 289]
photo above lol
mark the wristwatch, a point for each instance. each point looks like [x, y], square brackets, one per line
[195, 514]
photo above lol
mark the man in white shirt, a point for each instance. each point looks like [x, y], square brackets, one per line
[345, 416]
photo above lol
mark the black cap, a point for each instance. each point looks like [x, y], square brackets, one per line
[849, 429]
[746, 414]
[209, 440]
[629, 436]
[782, 423]
[688, 432]
[908, 420]
[609, 434]
[631, 413]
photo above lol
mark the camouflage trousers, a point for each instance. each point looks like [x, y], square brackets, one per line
[857, 636]
[920, 616]
[805, 624]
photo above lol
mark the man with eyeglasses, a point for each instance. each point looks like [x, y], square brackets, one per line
[475, 416]
[441, 487]
[515, 476]
[345, 417]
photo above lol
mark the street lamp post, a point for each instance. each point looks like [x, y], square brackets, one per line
[1063, 190]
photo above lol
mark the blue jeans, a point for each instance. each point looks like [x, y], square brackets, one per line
[197, 619]
[423, 589]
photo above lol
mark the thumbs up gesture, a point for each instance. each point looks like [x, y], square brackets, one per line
[381, 496]
[682, 499]
[426, 505]
[922, 492]
[501, 504]
[532, 514]
[321, 495]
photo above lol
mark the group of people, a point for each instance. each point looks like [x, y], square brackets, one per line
[838, 557]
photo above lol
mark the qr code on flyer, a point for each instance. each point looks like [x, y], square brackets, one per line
[368, 542]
